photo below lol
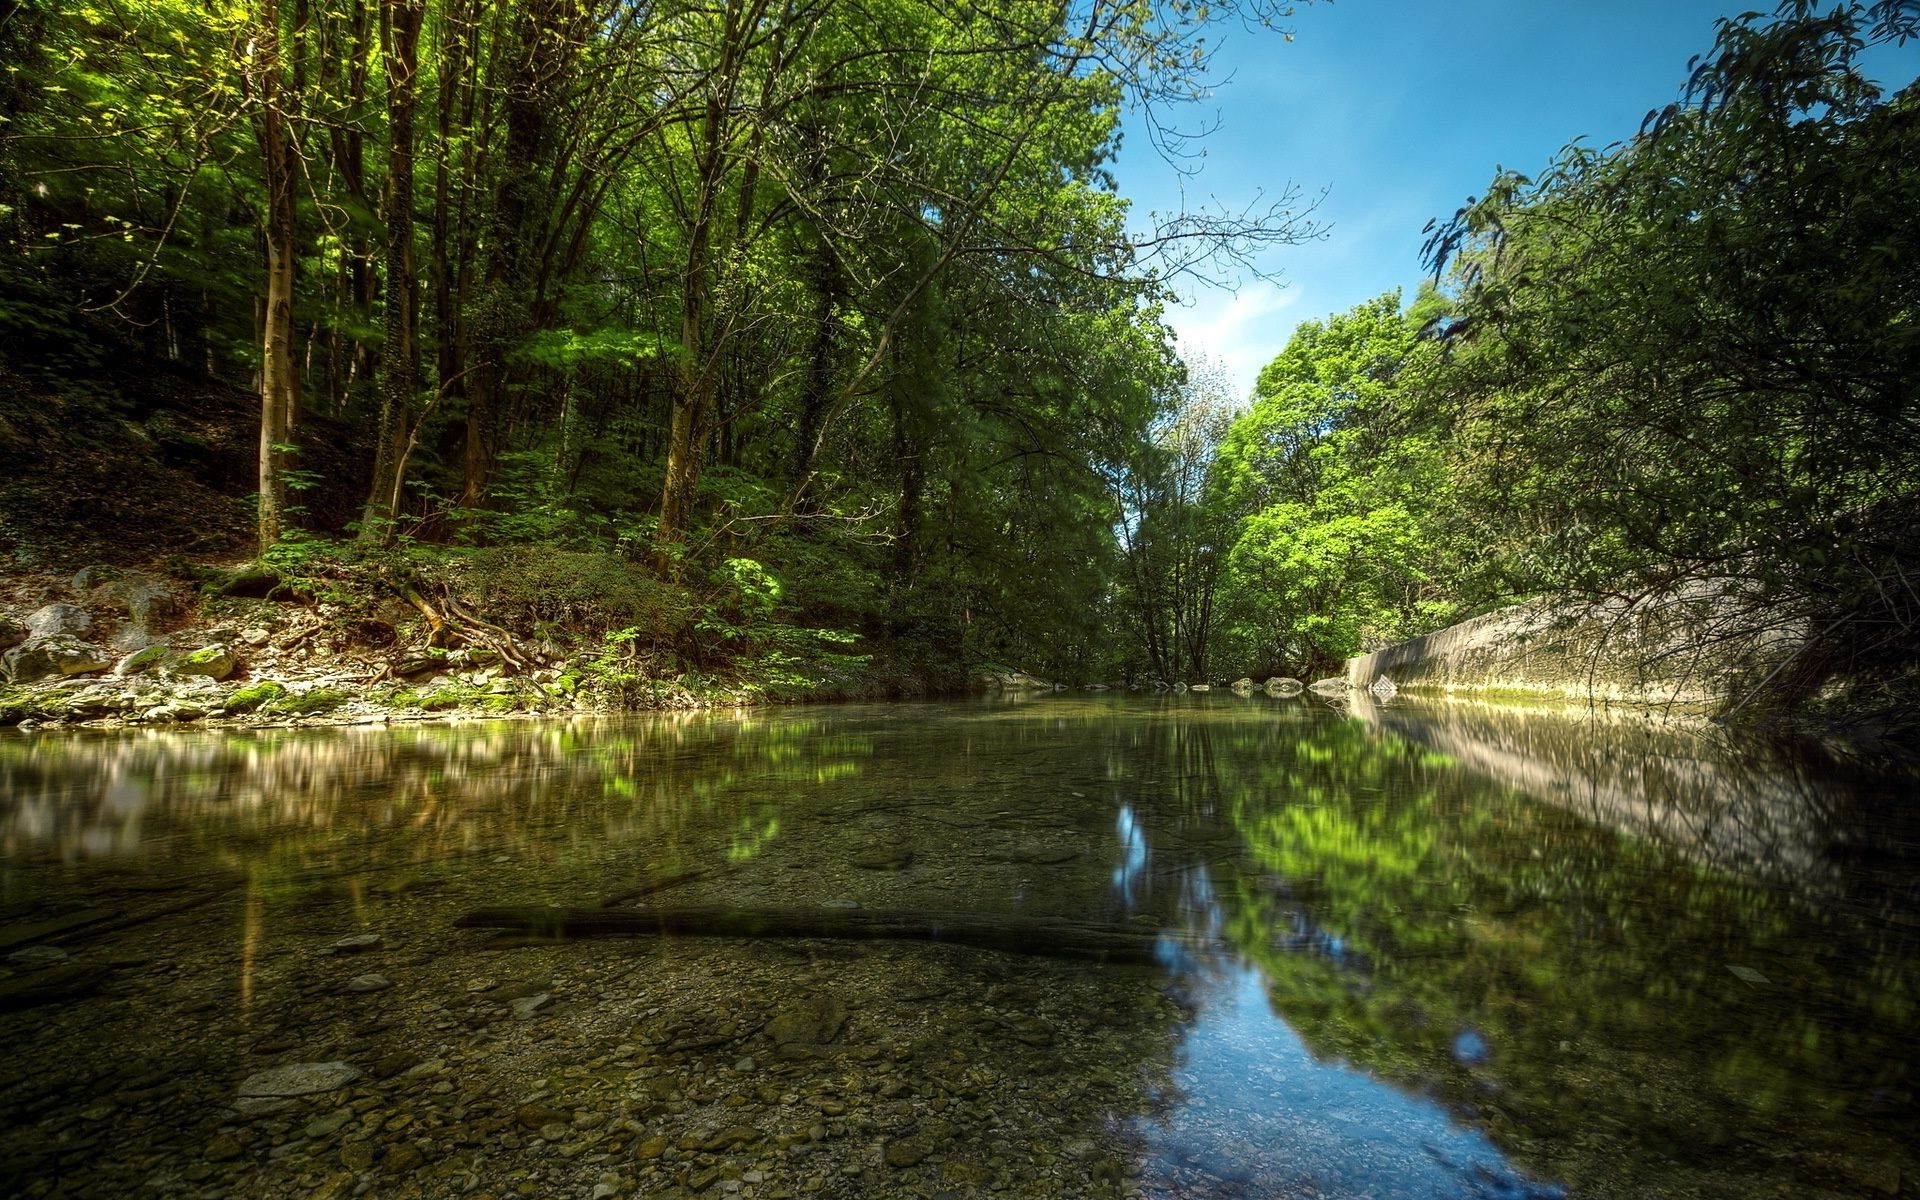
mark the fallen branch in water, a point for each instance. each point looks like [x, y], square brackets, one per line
[1051, 937]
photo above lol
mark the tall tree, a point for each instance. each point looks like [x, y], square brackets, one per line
[265, 67]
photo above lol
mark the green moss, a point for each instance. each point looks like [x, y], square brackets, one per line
[247, 699]
[145, 660]
[318, 700]
[200, 658]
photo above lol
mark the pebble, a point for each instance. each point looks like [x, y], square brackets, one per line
[222, 1148]
[356, 944]
[526, 1006]
[369, 983]
[328, 1125]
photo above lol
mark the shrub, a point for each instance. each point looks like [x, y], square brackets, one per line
[529, 588]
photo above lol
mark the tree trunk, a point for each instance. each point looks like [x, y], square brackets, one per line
[400, 357]
[279, 377]
[1014, 933]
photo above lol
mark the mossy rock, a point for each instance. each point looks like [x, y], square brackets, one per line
[215, 662]
[18, 704]
[12, 632]
[439, 700]
[253, 582]
[247, 699]
[318, 700]
[142, 661]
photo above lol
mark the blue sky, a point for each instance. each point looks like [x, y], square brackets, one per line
[1401, 109]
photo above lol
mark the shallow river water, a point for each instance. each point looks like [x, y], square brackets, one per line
[1196, 946]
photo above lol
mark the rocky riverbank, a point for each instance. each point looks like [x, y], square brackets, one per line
[114, 647]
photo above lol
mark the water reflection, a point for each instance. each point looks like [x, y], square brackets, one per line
[1433, 952]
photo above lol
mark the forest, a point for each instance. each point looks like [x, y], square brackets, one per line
[779, 334]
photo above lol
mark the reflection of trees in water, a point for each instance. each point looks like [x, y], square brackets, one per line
[1722, 800]
[413, 794]
[1567, 983]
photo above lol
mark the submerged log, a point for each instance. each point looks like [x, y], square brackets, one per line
[1052, 937]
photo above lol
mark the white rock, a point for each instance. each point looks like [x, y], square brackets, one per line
[59, 620]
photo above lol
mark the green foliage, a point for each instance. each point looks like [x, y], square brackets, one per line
[1693, 356]
[540, 587]
[1340, 493]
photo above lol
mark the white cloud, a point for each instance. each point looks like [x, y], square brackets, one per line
[1242, 330]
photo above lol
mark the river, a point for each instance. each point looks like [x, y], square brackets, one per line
[1415, 951]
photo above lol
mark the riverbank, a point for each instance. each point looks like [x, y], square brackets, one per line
[236, 644]
[1695, 651]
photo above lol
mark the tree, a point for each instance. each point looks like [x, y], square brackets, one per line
[1691, 359]
[1173, 541]
[1338, 489]
[264, 66]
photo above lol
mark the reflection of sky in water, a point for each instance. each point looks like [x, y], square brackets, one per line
[1128, 876]
[1252, 1107]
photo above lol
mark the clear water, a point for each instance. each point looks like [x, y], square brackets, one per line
[1405, 952]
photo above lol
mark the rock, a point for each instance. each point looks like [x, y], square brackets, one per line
[327, 1126]
[1243, 686]
[907, 1152]
[730, 1138]
[538, 1116]
[883, 858]
[652, 1147]
[263, 1106]
[355, 944]
[1284, 685]
[12, 632]
[215, 662]
[1199, 687]
[1328, 687]
[54, 657]
[420, 667]
[389, 1065]
[94, 575]
[142, 661]
[223, 1147]
[299, 1079]
[59, 620]
[403, 1156]
[814, 1020]
[369, 983]
[1384, 689]
[254, 696]
[175, 712]
[37, 956]
[514, 989]
[357, 1156]
[133, 639]
[255, 637]
[524, 1007]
